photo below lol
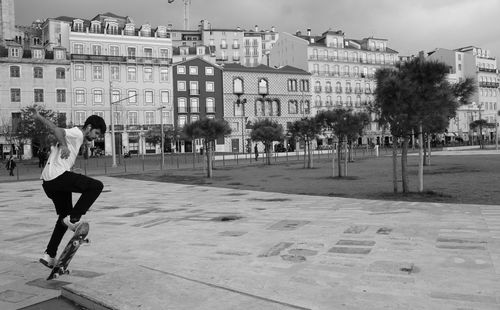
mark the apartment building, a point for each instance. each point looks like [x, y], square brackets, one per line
[254, 93]
[31, 76]
[343, 70]
[197, 94]
[117, 67]
[479, 64]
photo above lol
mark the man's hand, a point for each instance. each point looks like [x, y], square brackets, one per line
[64, 152]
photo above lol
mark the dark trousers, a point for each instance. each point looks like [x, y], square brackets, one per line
[60, 190]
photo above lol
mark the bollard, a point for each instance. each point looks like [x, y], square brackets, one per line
[105, 167]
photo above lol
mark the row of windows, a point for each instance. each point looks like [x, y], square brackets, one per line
[96, 96]
[183, 119]
[115, 50]
[194, 105]
[488, 92]
[15, 72]
[352, 56]
[193, 87]
[336, 70]
[489, 106]
[36, 53]
[132, 117]
[262, 85]
[193, 70]
[295, 85]
[115, 73]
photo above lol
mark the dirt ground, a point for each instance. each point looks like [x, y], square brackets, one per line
[470, 179]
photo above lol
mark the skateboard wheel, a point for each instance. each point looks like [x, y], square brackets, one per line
[56, 276]
[75, 243]
[67, 271]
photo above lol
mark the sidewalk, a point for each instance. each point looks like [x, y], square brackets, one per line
[171, 246]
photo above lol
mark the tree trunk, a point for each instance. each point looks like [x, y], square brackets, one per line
[404, 165]
[309, 155]
[420, 160]
[339, 165]
[208, 148]
[425, 150]
[429, 152]
[268, 153]
[305, 153]
[346, 158]
[394, 164]
[333, 160]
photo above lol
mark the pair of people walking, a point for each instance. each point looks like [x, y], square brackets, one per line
[11, 165]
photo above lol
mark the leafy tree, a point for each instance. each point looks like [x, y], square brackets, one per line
[31, 130]
[267, 131]
[306, 129]
[346, 125]
[415, 96]
[209, 130]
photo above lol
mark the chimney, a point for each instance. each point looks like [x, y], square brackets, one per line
[256, 28]
[169, 27]
[273, 29]
[298, 33]
[238, 28]
[309, 32]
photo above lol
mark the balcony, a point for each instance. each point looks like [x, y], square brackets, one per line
[318, 103]
[328, 89]
[194, 92]
[317, 89]
[236, 58]
[368, 91]
[223, 46]
[338, 90]
[348, 90]
[489, 84]
[236, 46]
[358, 91]
[124, 59]
[487, 70]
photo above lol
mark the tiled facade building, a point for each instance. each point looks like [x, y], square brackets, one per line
[254, 93]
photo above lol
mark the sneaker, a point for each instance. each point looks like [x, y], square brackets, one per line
[47, 261]
[71, 226]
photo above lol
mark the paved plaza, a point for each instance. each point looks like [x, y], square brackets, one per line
[170, 246]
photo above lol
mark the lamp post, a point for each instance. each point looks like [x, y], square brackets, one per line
[162, 137]
[111, 103]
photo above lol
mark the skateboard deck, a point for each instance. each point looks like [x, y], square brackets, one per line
[79, 237]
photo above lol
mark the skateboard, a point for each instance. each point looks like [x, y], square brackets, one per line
[79, 237]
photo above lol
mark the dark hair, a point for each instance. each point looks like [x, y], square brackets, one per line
[96, 122]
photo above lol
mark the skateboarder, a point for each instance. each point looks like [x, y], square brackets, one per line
[59, 182]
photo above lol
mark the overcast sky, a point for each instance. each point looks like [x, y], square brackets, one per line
[410, 26]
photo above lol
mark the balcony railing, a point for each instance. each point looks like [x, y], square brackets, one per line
[328, 89]
[317, 89]
[487, 70]
[194, 92]
[125, 59]
[236, 46]
[489, 84]
[338, 90]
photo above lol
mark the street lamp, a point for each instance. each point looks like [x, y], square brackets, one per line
[162, 137]
[111, 103]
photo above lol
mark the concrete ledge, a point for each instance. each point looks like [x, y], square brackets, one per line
[146, 288]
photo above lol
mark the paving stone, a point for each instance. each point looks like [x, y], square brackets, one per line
[288, 225]
[276, 249]
[14, 296]
[356, 242]
[346, 250]
[355, 229]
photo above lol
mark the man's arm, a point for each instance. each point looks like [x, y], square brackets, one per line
[59, 133]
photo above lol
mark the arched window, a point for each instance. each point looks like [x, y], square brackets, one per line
[238, 86]
[263, 87]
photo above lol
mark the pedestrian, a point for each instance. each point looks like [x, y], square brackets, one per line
[59, 182]
[256, 151]
[41, 158]
[11, 165]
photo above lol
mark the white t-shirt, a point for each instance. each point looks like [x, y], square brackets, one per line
[55, 164]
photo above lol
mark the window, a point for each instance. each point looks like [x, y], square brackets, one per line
[164, 96]
[210, 105]
[117, 115]
[36, 53]
[60, 95]
[132, 96]
[148, 74]
[99, 113]
[115, 73]
[97, 72]
[115, 95]
[194, 105]
[164, 53]
[149, 117]
[148, 97]
[194, 118]
[165, 115]
[163, 74]
[96, 50]
[131, 74]
[209, 86]
[132, 118]
[15, 95]
[181, 70]
[60, 73]
[80, 96]
[114, 50]
[293, 107]
[181, 85]
[78, 48]
[181, 105]
[292, 85]
[263, 87]
[14, 52]
[38, 95]
[193, 88]
[193, 70]
[131, 52]
[304, 85]
[80, 118]
[38, 72]
[238, 86]
[97, 96]
[182, 120]
[148, 52]
[79, 72]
